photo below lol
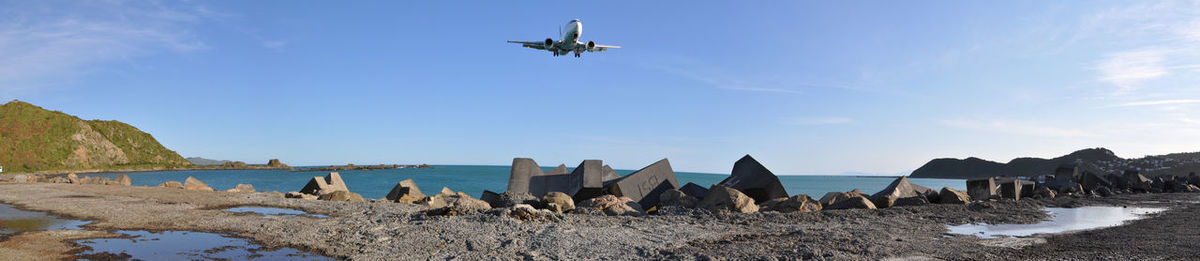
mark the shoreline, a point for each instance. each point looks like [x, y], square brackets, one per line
[383, 230]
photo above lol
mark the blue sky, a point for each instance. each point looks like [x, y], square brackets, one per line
[805, 87]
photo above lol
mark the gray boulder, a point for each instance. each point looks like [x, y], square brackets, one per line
[726, 199]
[833, 197]
[124, 180]
[242, 188]
[558, 202]
[192, 183]
[171, 184]
[952, 196]
[899, 189]
[855, 202]
[677, 198]
[797, 203]
[342, 195]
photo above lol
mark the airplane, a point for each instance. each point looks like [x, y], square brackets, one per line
[570, 42]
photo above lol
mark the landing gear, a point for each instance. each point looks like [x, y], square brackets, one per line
[555, 54]
[576, 55]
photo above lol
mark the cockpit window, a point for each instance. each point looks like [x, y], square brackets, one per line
[573, 21]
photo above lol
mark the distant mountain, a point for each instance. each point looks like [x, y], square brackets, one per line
[1099, 160]
[36, 139]
[198, 161]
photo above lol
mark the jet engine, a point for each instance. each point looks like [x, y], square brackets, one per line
[591, 45]
[549, 43]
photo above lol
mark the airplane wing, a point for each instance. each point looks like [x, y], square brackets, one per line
[601, 48]
[534, 45]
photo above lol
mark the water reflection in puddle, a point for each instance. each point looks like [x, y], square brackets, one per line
[185, 245]
[273, 211]
[1062, 220]
[14, 220]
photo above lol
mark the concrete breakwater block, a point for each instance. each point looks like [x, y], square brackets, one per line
[645, 185]
[982, 188]
[755, 180]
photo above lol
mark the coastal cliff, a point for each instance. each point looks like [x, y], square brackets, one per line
[1099, 160]
[36, 139]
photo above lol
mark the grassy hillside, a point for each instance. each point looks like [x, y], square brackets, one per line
[36, 139]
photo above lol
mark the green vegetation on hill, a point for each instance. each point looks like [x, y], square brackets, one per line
[36, 139]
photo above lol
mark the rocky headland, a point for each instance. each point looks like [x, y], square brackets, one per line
[1098, 160]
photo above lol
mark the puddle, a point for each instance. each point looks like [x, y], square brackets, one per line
[273, 211]
[186, 245]
[1061, 220]
[13, 221]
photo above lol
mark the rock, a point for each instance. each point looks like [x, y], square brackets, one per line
[898, 189]
[242, 188]
[509, 199]
[1044, 192]
[296, 194]
[721, 198]
[234, 165]
[694, 190]
[171, 184]
[446, 191]
[645, 185]
[1137, 182]
[858, 201]
[1092, 181]
[275, 163]
[1103, 191]
[192, 183]
[558, 202]
[454, 204]
[1193, 179]
[952, 196]
[124, 180]
[982, 188]
[910, 201]
[73, 178]
[59, 180]
[405, 191]
[342, 195]
[1191, 188]
[325, 185]
[526, 212]
[492, 198]
[1074, 189]
[677, 198]
[833, 197]
[20, 178]
[755, 180]
[613, 206]
[797, 203]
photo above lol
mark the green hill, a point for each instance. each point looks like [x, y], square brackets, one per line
[36, 139]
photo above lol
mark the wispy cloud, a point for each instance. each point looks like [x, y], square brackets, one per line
[1127, 70]
[818, 121]
[1158, 102]
[40, 40]
[1018, 128]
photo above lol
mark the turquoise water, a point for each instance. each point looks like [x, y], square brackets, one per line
[474, 179]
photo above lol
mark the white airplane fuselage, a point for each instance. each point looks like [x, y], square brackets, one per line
[570, 37]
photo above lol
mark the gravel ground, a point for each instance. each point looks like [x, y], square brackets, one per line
[381, 230]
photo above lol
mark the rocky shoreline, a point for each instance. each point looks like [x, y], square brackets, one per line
[384, 230]
[899, 222]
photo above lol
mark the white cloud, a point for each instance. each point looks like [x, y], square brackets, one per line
[1127, 70]
[1018, 128]
[42, 41]
[1158, 102]
[819, 121]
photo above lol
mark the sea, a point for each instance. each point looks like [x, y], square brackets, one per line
[473, 180]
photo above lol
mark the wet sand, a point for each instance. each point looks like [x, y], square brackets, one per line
[382, 230]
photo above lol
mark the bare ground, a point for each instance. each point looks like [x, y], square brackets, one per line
[381, 230]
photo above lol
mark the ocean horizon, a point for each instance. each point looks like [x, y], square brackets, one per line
[474, 179]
